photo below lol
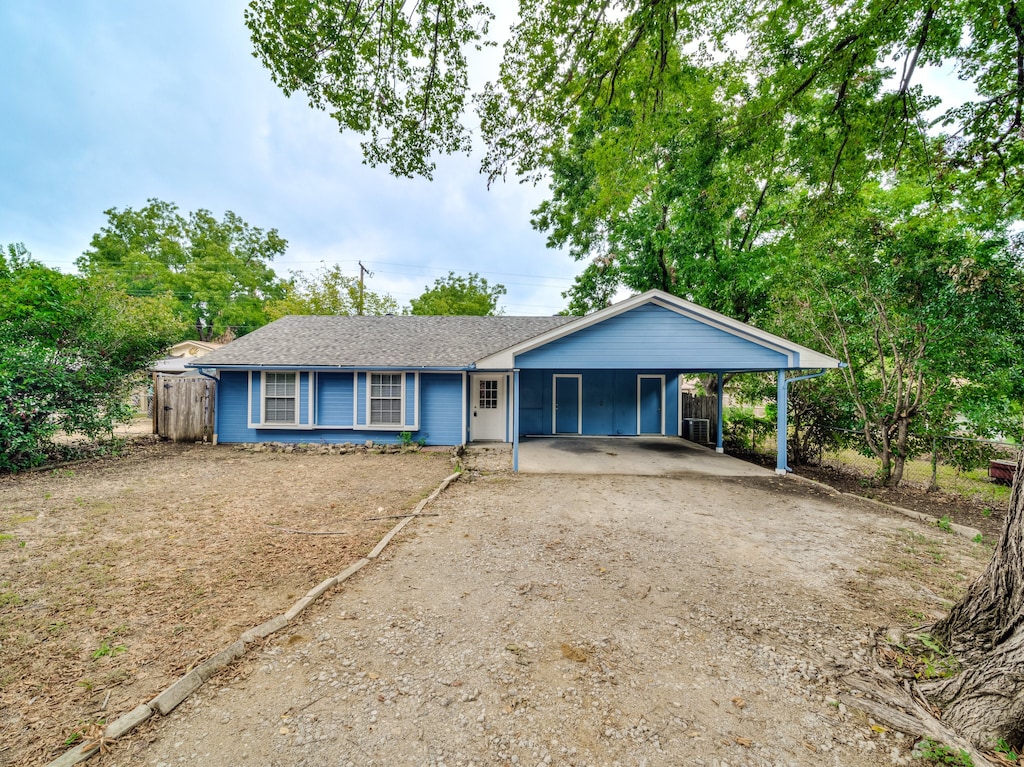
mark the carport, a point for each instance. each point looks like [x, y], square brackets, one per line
[616, 372]
[633, 456]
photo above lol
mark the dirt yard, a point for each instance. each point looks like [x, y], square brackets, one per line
[586, 621]
[116, 576]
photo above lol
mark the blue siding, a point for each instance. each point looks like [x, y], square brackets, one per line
[257, 381]
[304, 399]
[441, 408]
[609, 400]
[334, 393]
[410, 398]
[361, 416]
[233, 407]
[652, 337]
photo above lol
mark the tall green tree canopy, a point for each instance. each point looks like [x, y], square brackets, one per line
[217, 272]
[457, 295]
[845, 77]
[70, 350]
[923, 305]
[330, 291]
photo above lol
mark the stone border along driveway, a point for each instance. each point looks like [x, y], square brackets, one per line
[169, 699]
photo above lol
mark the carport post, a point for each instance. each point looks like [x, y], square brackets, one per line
[515, 420]
[780, 424]
[782, 402]
[721, 420]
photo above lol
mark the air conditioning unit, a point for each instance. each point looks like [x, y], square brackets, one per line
[697, 430]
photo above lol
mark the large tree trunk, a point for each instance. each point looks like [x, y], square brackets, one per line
[985, 632]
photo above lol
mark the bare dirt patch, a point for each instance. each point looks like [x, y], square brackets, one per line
[118, 575]
[985, 516]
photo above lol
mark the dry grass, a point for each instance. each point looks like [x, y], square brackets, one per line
[116, 576]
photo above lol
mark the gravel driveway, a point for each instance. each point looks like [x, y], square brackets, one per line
[569, 620]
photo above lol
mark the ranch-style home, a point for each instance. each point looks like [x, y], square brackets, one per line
[453, 380]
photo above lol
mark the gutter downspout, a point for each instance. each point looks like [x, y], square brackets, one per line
[216, 392]
[781, 423]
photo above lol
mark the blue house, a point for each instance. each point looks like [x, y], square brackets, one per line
[453, 380]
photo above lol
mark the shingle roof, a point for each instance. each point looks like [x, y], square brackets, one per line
[392, 341]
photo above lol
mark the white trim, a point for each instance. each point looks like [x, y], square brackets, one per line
[465, 408]
[355, 399]
[279, 425]
[416, 399]
[798, 356]
[248, 402]
[508, 407]
[310, 405]
[504, 400]
[579, 402]
[403, 426]
[639, 378]
[679, 405]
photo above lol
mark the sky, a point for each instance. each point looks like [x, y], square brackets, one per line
[108, 103]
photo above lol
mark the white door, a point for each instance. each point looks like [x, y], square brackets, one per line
[487, 418]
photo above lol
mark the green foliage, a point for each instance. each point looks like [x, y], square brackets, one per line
[1006, 751]
[330, 291]
[940, 754]
[456, 295]
[917, 299]
[215, 273]
[744, 431]
[70, 350]
[393, 71]
[106, 649]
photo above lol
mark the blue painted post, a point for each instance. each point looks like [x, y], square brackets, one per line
[781, 424]
[515, 420]
[719, 445]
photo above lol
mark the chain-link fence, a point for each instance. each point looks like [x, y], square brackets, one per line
[953, 464]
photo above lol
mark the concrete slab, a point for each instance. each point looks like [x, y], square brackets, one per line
[633, 456]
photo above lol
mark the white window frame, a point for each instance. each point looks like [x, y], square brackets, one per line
[403, 424]
[370, 399]
[292, 425]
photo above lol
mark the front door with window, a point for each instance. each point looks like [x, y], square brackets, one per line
[488, 414]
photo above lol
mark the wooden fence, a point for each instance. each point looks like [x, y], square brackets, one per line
[183, 407]
[692, 406]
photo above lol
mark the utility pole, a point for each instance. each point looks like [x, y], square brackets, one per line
[362, 270]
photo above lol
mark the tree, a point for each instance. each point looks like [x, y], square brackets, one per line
[456, 295]
[330, 291]
[397, 72]
[917, 301]
[217, 272]
[70, 351]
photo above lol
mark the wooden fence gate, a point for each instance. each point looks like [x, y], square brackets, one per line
[184, 407]
[692, 406]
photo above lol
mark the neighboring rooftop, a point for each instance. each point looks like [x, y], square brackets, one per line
[389, 341]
